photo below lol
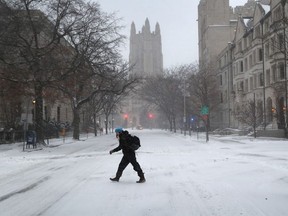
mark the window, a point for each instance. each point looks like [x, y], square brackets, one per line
[274, 73]
[250, 61]
[251, 83]
[281, 71]
[260, 53]
[241, 86]
[246, 64]
[241, 66]
[261, 79]
[267, 77]
[58, 113]
[246, 85]
[280, 42]
[245, 43]
[272, 45]
[221, 83]
[239, 46]
[266, 51]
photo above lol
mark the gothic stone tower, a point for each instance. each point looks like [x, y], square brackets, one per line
[146, 51]
[146, 60]
[215, 28]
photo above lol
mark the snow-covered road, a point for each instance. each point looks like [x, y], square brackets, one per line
[228, 176]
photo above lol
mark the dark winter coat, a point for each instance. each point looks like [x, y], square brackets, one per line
[123, 144]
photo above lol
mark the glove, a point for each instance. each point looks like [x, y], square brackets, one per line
[111, 151]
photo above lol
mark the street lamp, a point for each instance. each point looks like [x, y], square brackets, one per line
[263, 73]
[184, 111]
[229, 77]
[34, 111]
[283, 2]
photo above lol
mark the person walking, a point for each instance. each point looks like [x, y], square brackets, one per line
[128, 156]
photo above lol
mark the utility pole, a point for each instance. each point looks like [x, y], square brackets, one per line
[283, 2]
[263, 74]
[184, 111]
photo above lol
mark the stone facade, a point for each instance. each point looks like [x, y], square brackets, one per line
[216, 26]
[146, 51]
[253, 65]
[146, 60]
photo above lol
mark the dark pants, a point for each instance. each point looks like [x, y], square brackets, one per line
[126, 159]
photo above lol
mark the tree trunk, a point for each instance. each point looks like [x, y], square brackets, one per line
[38, 113]
[170, 124]
[174, 124]
[95, 124]
[76, 124]
[106, 124]
[207, 128]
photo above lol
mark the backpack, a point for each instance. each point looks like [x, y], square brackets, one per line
[134, 143]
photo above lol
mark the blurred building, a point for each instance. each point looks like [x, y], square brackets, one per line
[146, 51]
[146, 60]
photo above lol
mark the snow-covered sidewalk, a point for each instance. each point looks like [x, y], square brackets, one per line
[227, 176]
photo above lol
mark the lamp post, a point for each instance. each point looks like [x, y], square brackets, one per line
[184, 111]
[34, 113]
[283, 2]
[263, 74]
[229, 77]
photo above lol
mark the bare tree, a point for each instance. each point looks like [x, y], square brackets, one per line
[84, 86]
[165, 93]
[34, 51]
[111, 101]
[69, 48]
[250, 114]
[204, 91]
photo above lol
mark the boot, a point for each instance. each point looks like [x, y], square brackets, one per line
[142, 179]
[116, 179]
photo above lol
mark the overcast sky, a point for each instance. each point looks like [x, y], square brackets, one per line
[177, 21]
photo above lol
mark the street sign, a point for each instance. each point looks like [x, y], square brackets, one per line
[204, 110]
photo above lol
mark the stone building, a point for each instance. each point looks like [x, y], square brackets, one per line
[146, 51]
[147, 61]
[253, 66]
[56, 110]
[216, 26]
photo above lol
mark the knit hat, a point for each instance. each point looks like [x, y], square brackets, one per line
[118, 130]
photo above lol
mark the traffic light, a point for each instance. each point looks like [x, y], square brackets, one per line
[125, 116]
[150, 115]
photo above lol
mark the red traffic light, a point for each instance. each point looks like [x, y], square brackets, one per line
[205, 117]
[151, 115]
[126, 116]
